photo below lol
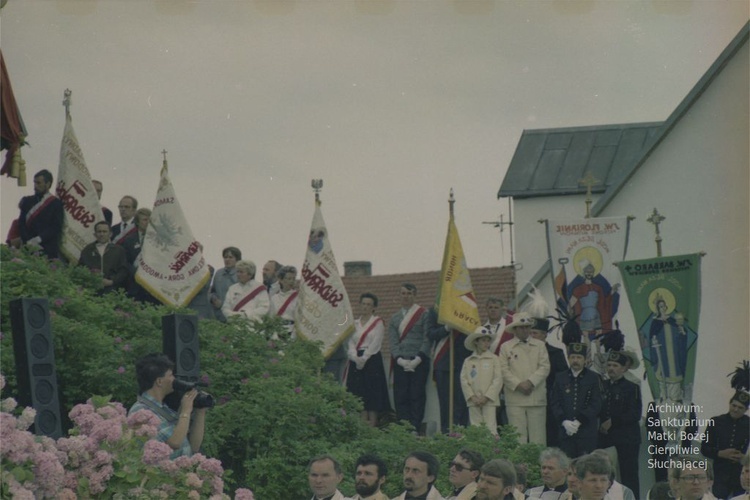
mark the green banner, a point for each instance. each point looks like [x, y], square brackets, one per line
[665, 295]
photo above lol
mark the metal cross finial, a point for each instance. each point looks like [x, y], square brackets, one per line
[656, 218]
[164, 154]
[588, 181]
[66, 101]
[451, 201]
[317, 185]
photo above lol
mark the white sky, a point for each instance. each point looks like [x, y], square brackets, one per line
[391, 102]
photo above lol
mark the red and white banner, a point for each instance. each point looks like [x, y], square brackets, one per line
[323, 313]
[171, 266]
[77, 193]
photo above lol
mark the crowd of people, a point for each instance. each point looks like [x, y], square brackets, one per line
[504, 373]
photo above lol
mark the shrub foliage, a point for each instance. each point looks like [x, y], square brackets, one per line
[275, 408]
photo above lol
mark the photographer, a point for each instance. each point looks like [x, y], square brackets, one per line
[182, 431]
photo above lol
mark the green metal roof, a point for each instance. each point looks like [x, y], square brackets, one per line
[552, 161]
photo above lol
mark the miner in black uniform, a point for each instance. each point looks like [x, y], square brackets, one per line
[620, 418]
[576, 403]
[726, 442]
[557, 364]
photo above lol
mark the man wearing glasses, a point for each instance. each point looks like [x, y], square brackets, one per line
[463, 474]
[692, 479]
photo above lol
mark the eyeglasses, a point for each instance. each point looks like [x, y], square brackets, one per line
[694, 479]
[459, 467]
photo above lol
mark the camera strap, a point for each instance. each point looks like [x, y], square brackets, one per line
[166, 413]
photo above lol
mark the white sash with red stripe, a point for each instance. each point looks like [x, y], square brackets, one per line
[247, 298]
[410, 318]
[38, 208]
[122, 237]
[370, 326]
[286, 303]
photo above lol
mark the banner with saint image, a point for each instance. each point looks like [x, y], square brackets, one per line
[323, 313]
[78, 196]
[665, 295]
[586, 283]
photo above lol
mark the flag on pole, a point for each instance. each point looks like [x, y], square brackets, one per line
[77, 193]
[171, 266]
[456, 304]
[12, 129]
[664, 294]
[324, 313]
[582, 253]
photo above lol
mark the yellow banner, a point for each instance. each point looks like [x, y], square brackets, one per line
[456, 304]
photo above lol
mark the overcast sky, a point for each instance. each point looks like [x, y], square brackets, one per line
[390, 102]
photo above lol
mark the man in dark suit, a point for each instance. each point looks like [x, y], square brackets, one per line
[134, 242]
[620, 418]
[576, 403]
[557, 364]
[441, 336]
[105, 258]
[41, 220]
[127, 207]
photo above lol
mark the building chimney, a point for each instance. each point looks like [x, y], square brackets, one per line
[358, 268]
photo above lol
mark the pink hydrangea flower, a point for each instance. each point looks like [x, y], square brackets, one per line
[8, 405]
[27, 418]
[121, 369]
[244, 494]
[155, 452]
[192, 480]
[298, 389]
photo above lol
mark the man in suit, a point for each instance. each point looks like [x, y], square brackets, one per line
[525, 366]
[407, 335]
[127, 207]
[441, 338]
[40, 223]
[557, 363]
[105, 258]
[576, 403]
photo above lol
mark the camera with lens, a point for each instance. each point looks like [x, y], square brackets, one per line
[202, 400]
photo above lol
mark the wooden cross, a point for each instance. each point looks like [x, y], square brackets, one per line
[588, 181]
[656, 218]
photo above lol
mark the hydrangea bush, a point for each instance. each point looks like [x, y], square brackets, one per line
[108, 455]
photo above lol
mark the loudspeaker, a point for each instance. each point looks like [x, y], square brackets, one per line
[180, 344]
[35, 363]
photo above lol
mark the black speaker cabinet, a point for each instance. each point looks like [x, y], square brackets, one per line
[35, 363]
[180, 344]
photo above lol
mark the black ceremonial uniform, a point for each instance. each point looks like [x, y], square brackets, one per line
[577, 398]
[622, 403]
[558, 363]
[726, 433]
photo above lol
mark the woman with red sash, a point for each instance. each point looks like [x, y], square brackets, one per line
[365, 373]
[284, 302]
[247, 298]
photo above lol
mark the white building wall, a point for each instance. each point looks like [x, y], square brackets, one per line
[698, 179]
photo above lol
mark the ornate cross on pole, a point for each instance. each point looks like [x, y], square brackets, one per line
[588, 181]
[317, 185]
[656, 218]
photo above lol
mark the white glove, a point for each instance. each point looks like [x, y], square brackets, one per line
[414, 363]
[570, 427]
[577, 424]
[403, 363]
[360, 363]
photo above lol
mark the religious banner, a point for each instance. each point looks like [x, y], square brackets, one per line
[77, 193]
[664, 293]
[323, 312]
[456, 304]
[171, 266]
[581, 254]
